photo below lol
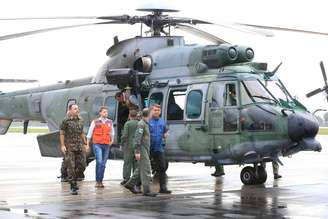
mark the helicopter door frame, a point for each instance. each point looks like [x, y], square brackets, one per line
[163, 91]
[218, 121]
[196, 138]
[203, 88]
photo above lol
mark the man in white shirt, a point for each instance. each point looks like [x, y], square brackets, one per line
[101, 132]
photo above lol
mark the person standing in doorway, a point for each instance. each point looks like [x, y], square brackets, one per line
[101, 132]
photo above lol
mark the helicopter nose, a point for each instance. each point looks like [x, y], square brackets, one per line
[302, 128]
[302, 125]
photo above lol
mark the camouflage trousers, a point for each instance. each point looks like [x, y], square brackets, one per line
[75, 162]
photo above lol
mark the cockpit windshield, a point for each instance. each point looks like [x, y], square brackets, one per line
[255, 91]
[261, 91]
[278, 91]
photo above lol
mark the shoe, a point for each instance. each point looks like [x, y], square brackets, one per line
[217, 174]
[73, 189]
[277, 176]
[131, 188]
[124, 181]
[150, 194]
[165, 191]
[138, 189]
[99, 185]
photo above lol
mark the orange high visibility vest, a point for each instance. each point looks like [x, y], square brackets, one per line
[101, 132]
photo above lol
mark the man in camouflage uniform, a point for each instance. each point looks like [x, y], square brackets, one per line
[127, 139]
[142, 153]
[72, 140]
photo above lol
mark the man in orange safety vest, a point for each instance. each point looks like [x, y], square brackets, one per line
[101, 132]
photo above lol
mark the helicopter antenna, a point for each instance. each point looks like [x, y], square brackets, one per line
[276, 68]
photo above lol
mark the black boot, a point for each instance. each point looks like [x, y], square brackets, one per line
[147, 192]
[124, 181]
[165, 191]
[131, 188]
[277, 176]
[74, 189]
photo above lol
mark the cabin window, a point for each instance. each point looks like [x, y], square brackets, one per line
[110, 102]
[70, 102]
[194, 104]
[97, 103]
[230, 120]
[230, 95]
[175, 105]
[155, 98]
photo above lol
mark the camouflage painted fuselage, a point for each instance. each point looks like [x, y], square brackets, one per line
[211, 128]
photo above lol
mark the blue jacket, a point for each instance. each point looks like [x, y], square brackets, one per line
[157, 128]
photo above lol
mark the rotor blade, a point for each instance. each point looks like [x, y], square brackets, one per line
[17, 81]
[284, 29]
[48, 18]
[312, 93]
[27, 33]
[200, 33]
[188, 20]
[116, 18]
[238, 27]
[323, 73]
[233, 26]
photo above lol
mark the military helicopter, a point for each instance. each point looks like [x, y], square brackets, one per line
[220, 107]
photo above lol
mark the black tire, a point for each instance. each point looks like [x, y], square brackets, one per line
[261, 175]
[247, 175]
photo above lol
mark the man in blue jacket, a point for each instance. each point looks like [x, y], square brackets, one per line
[158, 133]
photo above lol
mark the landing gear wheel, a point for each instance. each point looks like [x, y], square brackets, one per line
[261, 175]
[247, 176]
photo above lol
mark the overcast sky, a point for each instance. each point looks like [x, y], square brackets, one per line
[76, 53]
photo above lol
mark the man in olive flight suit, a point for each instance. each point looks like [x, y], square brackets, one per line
[142, 153]
[127, 139]
[72, 141]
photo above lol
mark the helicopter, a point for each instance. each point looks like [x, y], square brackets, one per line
[221, 107]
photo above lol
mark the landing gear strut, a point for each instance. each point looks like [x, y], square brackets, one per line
[253, 175]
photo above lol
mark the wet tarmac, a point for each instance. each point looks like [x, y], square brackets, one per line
[29, 189]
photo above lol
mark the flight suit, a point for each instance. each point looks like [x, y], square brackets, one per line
[127, 139]
[75, 157]
[142, 144]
